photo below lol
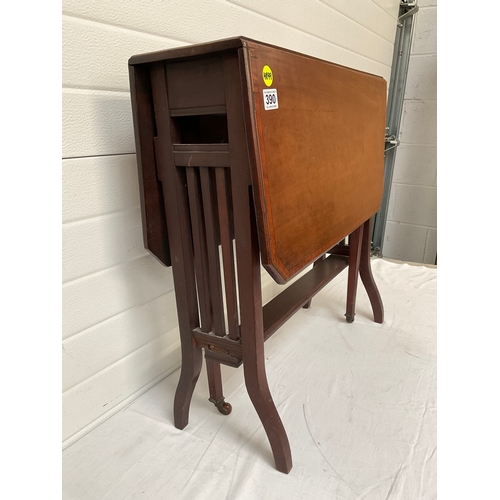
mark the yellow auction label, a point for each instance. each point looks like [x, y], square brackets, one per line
[267, 75]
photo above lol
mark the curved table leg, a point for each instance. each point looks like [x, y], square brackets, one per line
[252, 339]
[252, 336]
[365, 272]
[260, 395]
[190, 371]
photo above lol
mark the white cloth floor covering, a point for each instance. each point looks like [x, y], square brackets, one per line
[358, 402]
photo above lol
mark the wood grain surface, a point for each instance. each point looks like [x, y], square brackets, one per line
[319, 157]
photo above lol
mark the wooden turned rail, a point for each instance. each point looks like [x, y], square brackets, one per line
[250, 154]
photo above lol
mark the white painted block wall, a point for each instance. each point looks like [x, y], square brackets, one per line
[120, 332]
[411, 231]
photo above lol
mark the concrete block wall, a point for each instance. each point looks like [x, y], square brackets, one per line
[120, 332]
[411, 231]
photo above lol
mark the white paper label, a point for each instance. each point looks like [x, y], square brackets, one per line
[270, 99]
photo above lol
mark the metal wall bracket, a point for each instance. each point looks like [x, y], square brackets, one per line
[397, 86]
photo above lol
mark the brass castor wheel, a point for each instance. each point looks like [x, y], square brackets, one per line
[349, 318]
[222, 406]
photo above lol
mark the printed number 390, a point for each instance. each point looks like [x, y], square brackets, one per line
[270, 99]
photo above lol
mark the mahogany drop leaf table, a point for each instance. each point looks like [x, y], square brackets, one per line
[251, 154]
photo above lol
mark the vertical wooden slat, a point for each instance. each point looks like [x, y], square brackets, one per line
[227, 253]
[209, 209]
[200, 248]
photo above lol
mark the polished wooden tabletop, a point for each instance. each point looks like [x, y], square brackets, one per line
[319, 154]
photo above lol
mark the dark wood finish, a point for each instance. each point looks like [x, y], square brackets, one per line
[236, 185]
[324, 146]
[201, 155]
[340, 249]
[355, 240]
[200, 110]
[307, 305]
[176, 208]
[365, 272]
[215, 343]
[223, 358]
[200, 249]
[188, 52]
[214, 379]
[227, 252]
[154, 225]
[278, 310]
[195, 84]
[209, 208]
[215, 386]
